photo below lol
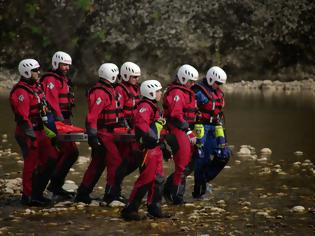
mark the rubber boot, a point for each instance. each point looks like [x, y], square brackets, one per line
[83, 195]
[199, 190]
[177, 193]
[58, 178]
[215, 167]
[130, 211]
[167, 189]
[130, 215]
[154, 211]
[37, 198]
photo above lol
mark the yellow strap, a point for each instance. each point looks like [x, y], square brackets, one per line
[199, 130]
[219, 132]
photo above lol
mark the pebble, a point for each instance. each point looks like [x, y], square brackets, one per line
[298, 153]
[116, 204]
[262, 213]
[94, 203]
[184, 228]
[80, 206]
[83, 159]
[298, 209]
[4, 136]
[237, 162]
[297, 164]
[154, 225]
[244, 151]
[221, 203]
[266, 151]
[263, 159]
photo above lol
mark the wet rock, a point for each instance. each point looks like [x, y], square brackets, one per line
[244, 151]
[194, 217]
[221, 203]
[297, 164]
[29, 212]
[116, 204]
[83, 159]
[265, 171]
[246, 203]
[262, 213]
[263, 159]
[237, 162]
[266, 151]
[189, 205]
[80, 205]
[282, 173]
[227, 167]
[298, 153]
[298, 209]
[154, 225]
[216, 210]
[4, 136]
[279, 217]
[184, 228]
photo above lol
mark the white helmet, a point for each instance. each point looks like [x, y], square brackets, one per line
[129, 69]
[148, 88]
[25, 67]
[187, 72]
[109, 72]
[214, 74]
[60, 57]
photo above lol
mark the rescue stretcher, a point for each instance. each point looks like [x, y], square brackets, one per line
[71, 133]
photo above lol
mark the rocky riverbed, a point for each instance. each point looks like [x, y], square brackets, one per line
[256, 194]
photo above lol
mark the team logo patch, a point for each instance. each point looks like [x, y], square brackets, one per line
[142, 110]
[176, 98]
[50, 85]
[98, 101]
[21, 98]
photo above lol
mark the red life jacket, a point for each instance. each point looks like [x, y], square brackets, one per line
[190, 108]
[38, 102]
[133, 99]
[211, 112]
[66, 94]
[156, 114]
[113, 113]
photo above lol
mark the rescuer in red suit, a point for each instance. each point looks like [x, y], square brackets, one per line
[147, 129]
[59, 93]
[104, 114]
[128, 92]
[180, 109]
[28, 103]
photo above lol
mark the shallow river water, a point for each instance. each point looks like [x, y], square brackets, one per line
[254, 195]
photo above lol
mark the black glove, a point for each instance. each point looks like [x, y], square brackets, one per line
[93, 141]
[30, 134]
[92, 138]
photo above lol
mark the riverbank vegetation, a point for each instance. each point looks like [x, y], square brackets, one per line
[250, 39]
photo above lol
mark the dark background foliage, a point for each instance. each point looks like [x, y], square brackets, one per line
[250, 39]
